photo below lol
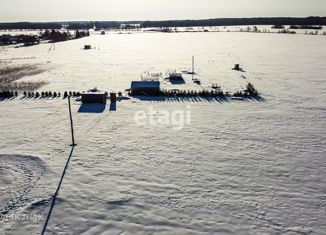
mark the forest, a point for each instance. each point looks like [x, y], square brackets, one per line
[74, 25]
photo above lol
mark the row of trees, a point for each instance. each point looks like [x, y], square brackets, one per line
[237, 21]
[91, 24]
[73, 25]
[248, 92]
[27, 40]
[46, 94]
[30, 25]
[58, 36]
[50, 35]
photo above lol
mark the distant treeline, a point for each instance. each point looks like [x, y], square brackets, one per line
[91, 24]
[57, 36]
[237, 21]
[168, 23]
[30, 25]
[48, 35]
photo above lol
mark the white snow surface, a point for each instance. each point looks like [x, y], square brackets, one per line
[239, 168]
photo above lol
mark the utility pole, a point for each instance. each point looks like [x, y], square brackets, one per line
[193, 64]
[71, 124]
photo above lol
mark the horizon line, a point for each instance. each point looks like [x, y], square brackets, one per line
[162, 20]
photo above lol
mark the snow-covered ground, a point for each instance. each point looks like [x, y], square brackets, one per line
[238, 168]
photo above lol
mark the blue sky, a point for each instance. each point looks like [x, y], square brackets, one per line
[56, 10]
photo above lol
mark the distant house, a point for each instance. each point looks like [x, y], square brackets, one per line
[149, 88]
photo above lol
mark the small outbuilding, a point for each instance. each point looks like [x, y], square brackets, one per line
[87, 47]
[236, 67]
[94, 97]
[149, 88]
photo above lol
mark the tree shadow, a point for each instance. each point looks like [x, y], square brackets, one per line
[6, 98]
[197, 99]
[254, 98]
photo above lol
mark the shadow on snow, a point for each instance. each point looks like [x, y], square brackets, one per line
[91, 108]
[197, 99]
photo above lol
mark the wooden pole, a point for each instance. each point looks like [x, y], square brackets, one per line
[193, 64]
[71, 124]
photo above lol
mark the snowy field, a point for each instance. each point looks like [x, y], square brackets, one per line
[238, 168]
